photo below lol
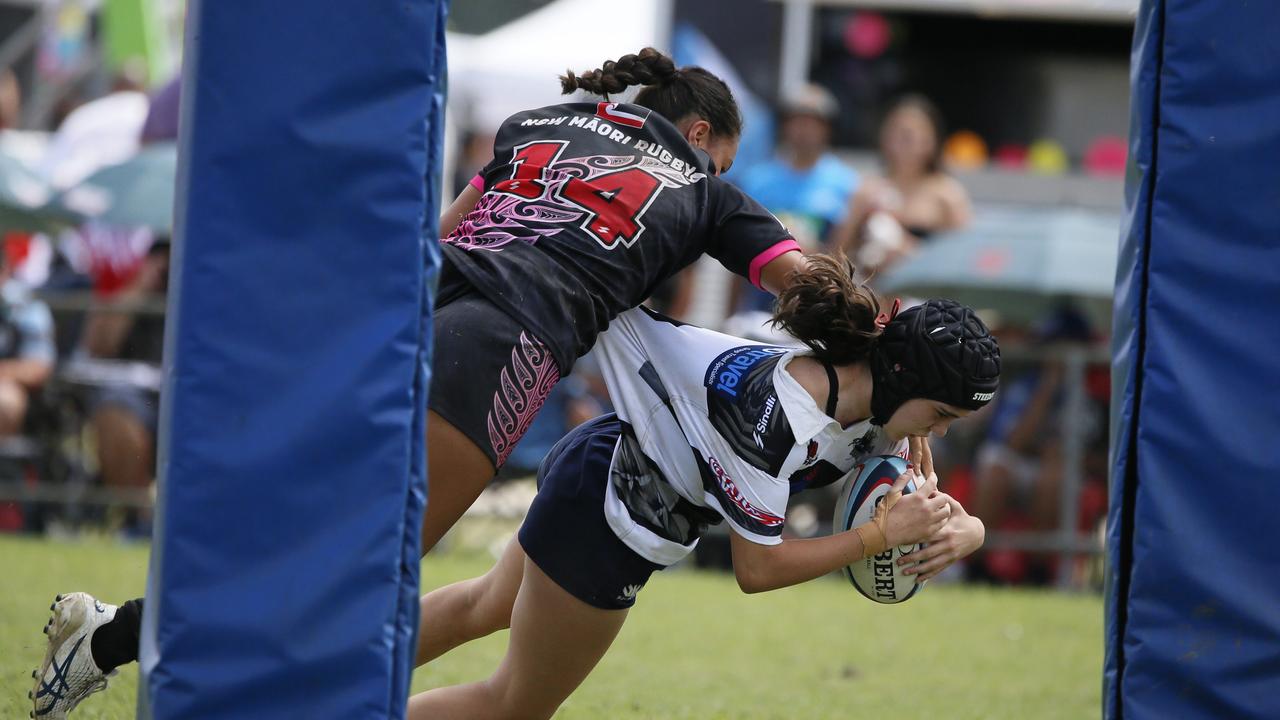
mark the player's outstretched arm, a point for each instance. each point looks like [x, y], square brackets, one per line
[913, 518]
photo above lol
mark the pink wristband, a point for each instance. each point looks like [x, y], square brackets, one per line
[768, 256]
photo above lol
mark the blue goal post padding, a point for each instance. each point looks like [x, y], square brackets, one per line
[1193, 598]
[284, 570]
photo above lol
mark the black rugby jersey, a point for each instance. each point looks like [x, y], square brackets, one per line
[587, 208]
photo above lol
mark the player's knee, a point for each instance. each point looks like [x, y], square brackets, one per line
[508, 704]
[495, 607]
[490, 609]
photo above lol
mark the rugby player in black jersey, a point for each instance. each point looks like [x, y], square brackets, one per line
[584, 210]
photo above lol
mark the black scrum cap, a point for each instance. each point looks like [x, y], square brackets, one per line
[940, 351]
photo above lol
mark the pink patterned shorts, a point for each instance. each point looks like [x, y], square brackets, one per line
[489, 376]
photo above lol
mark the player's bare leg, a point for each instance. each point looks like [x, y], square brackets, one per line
[470, 609]
[556, 640]
[457, 472]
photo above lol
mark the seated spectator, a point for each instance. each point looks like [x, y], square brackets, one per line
[26, 349]
[1020, 464]
[124, 417]
[889, 216]
[804, 185]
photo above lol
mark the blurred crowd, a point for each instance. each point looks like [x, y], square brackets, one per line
[82, 320]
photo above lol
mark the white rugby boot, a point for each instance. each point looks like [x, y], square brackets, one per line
[68, 673]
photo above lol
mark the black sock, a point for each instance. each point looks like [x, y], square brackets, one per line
[116, 642]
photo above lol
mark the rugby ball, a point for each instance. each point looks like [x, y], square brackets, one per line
[878, 577]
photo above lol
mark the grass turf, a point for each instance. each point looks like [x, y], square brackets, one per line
[693, 647]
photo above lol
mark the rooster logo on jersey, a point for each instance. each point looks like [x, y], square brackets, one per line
[862, 445]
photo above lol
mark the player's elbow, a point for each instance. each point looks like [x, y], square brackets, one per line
[755, 576]
[749, 580]
[754, 565]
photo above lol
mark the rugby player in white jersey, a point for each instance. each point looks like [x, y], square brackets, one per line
[710, 428]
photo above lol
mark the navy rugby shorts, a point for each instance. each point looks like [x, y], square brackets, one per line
[566, 534]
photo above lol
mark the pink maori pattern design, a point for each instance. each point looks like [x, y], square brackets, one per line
[523, 387]
[499, 219]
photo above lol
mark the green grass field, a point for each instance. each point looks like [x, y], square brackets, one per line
[694, 646]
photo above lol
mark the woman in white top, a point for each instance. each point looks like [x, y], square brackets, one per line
[713, 428]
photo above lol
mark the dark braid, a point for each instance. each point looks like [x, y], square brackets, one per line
[648, 67]
[674, 93]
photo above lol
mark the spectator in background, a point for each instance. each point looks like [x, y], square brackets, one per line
[124, 416]
[889, 216]
[804, 185]
[130, 265]
[10, 100]
[26, 348]
[100, 132]
[1020, 463]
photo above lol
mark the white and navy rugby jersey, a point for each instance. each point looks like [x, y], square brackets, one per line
[713, 427]
[587, 208]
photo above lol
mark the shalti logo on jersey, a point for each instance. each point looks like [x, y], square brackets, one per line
[762, 425]
[613, 113]
[744, 407]
[732, 492]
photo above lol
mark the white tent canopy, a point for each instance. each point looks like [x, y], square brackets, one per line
[514, 67]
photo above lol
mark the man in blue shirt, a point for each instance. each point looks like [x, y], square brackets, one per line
[804, 185]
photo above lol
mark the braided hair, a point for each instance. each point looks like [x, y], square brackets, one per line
[674, 93]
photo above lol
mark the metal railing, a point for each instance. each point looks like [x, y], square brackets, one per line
[1067, 541]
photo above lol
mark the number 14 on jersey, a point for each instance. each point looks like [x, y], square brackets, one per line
[614, 201]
